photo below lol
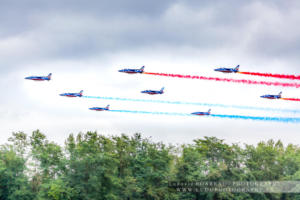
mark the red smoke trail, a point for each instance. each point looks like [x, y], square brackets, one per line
[291, 99]
[227, 80]
[293, 77]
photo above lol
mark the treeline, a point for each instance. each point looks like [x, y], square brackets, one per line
[91, 166]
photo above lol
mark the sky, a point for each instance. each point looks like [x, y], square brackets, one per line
[84, 44]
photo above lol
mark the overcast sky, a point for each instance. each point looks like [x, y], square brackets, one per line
[84, 43]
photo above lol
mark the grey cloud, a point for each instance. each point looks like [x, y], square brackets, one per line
[19, 16]
[77, 29]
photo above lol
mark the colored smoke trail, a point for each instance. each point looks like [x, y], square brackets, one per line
[274, 119]
[251, 82]
[196, 104]
[282, 76]
[277, 119]
[152, 113]
[290, 99]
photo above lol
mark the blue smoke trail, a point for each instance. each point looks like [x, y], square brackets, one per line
[277, 119]
[196, 103]
[274, 119]
[152, 113]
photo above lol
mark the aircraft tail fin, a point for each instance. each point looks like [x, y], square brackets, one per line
[142, 68]
[49, 76]
[162, 89]
[280, 93]
[209, 111]
[237, 68]
[107, 107]
[81, 91]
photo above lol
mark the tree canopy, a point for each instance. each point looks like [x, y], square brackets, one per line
[91, 166]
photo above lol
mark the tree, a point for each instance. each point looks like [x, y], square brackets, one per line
[14, 184]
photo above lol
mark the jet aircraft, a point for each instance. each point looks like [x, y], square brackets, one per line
[72, 94]
[133, 71]
[100, 109]
[151, 92]
[202, 113]
[39, 78]
[228, 70]
[270, 96]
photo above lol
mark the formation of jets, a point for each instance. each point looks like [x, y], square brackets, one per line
[236, 69]
[150, 92]
[39, 78]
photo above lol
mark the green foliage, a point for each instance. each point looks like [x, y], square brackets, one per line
[13, 182]
[91, 166]
[56, 189]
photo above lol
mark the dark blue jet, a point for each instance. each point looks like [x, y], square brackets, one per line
[100, 109]
[72, 94]
[202, 113]
[270, 96]
[39, 78]
[228, 70]
[152, 92]
[133, 71]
